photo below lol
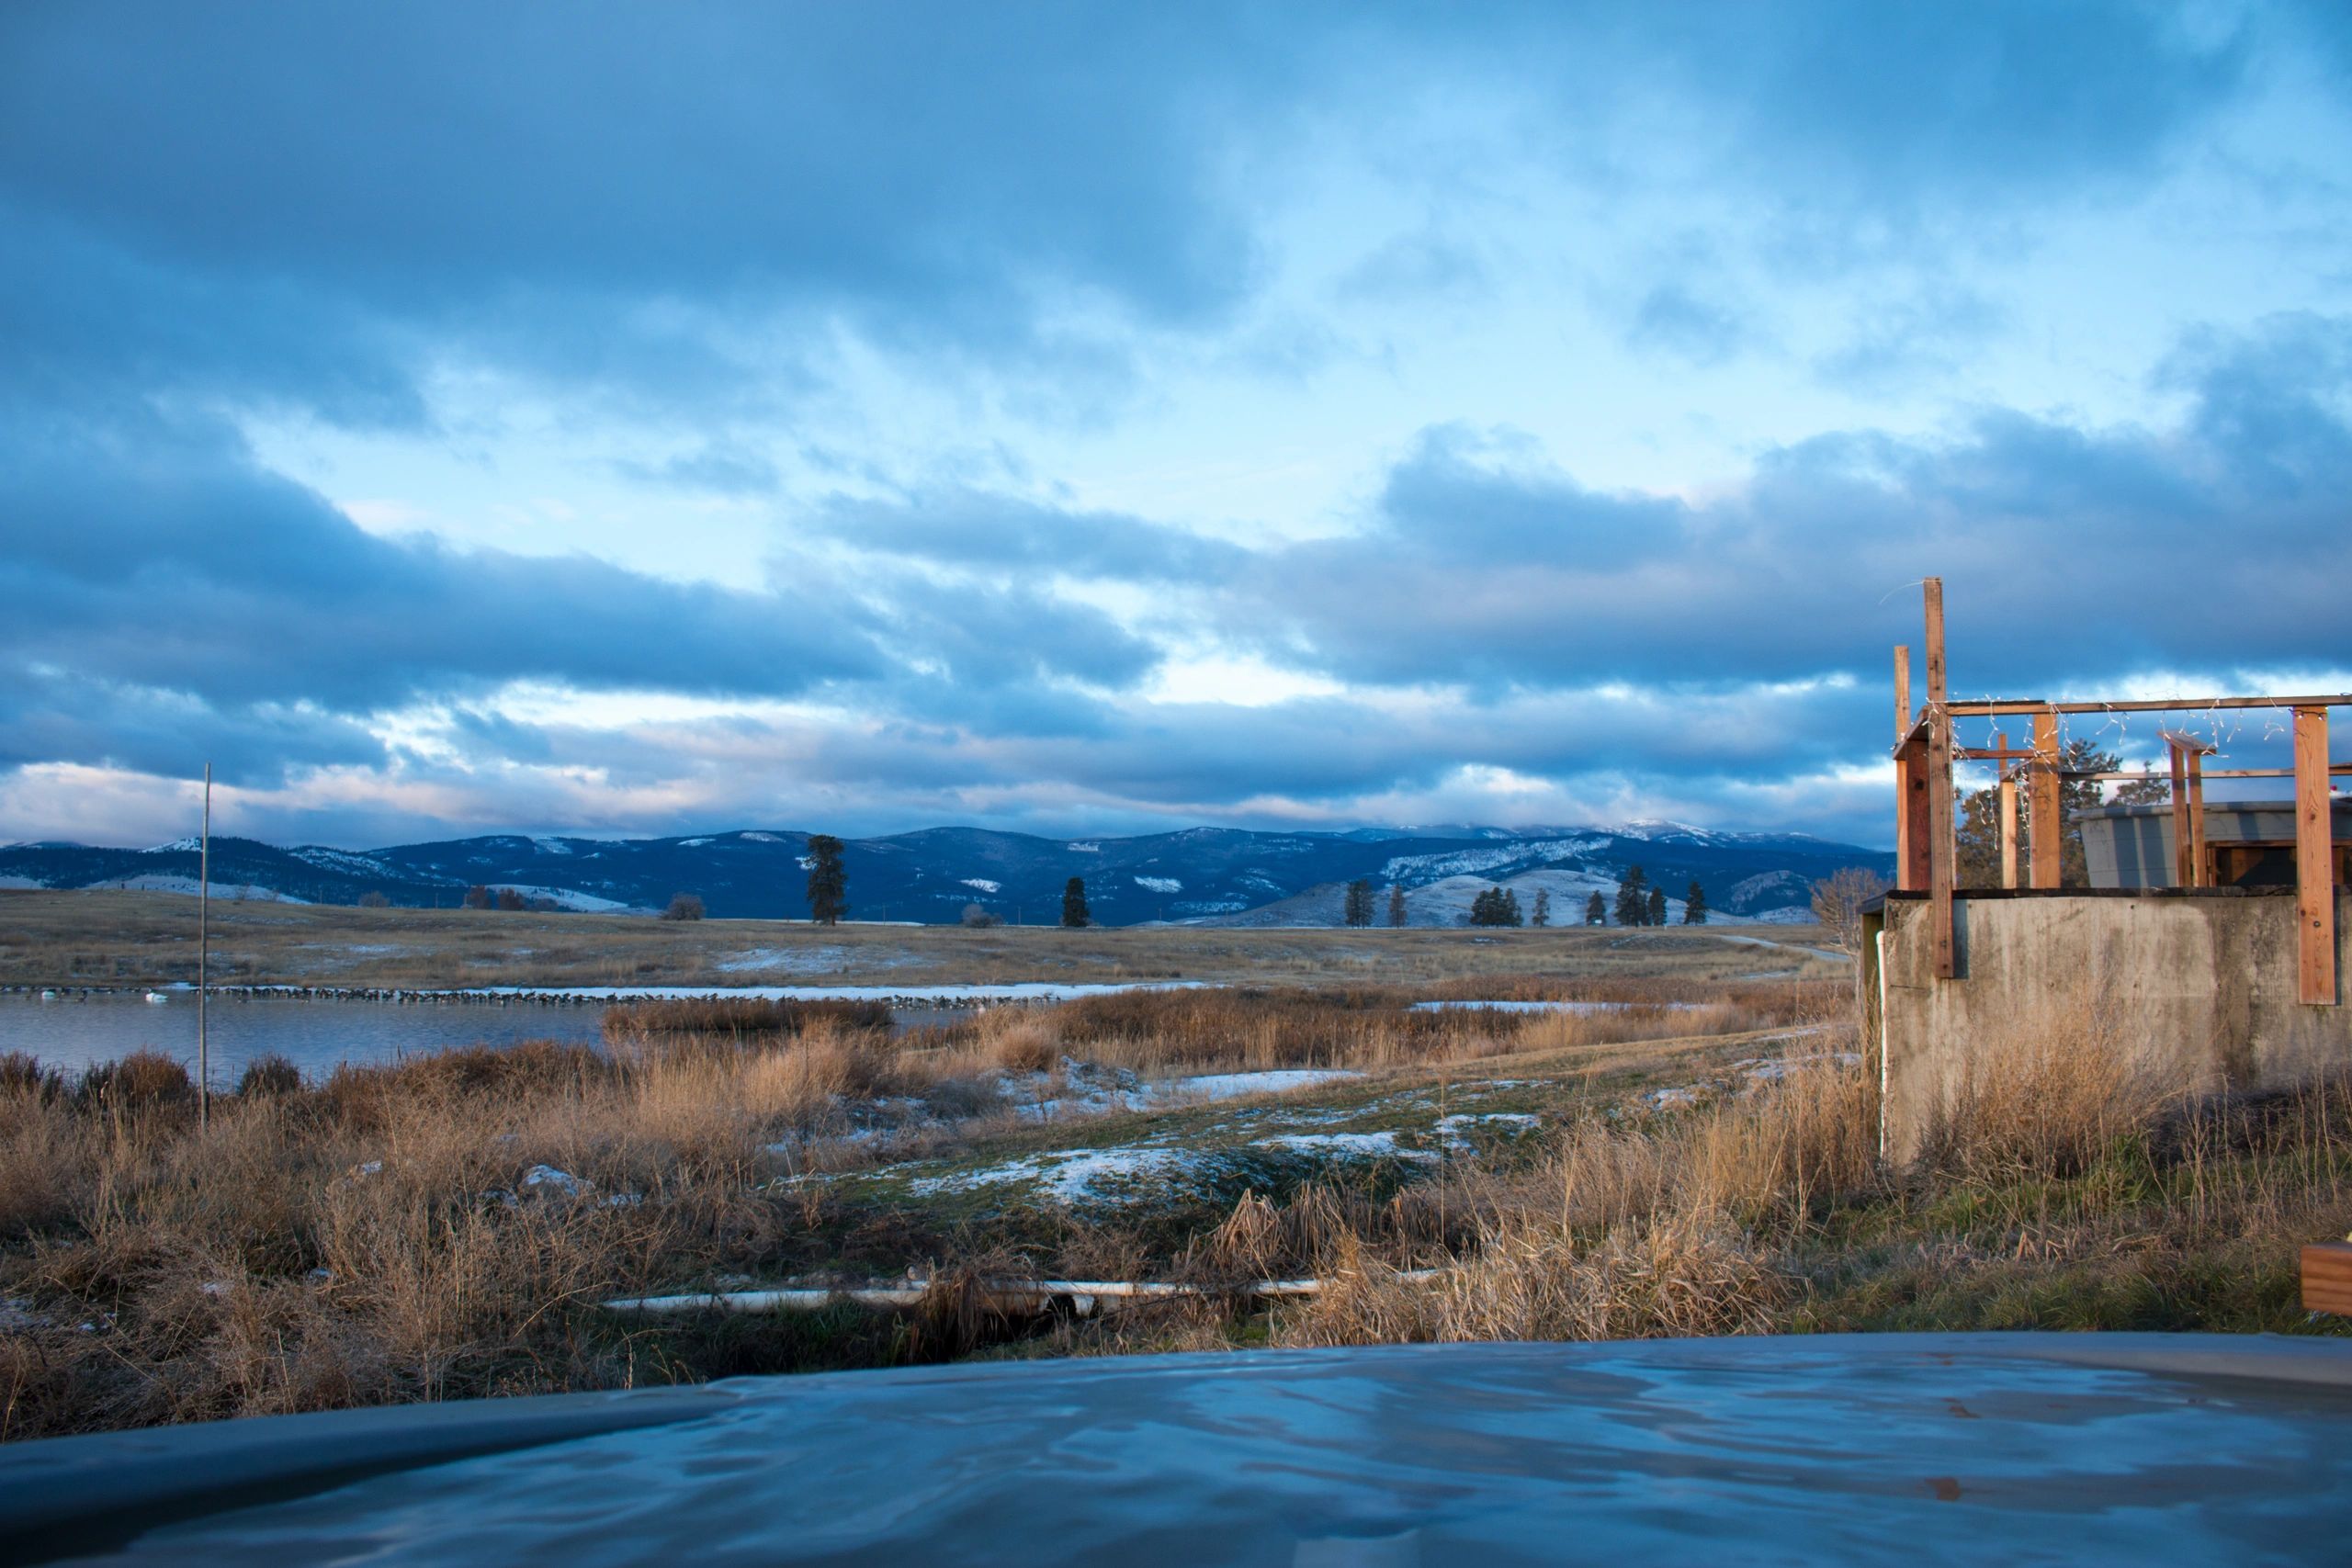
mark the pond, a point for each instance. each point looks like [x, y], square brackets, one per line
[81, 1028]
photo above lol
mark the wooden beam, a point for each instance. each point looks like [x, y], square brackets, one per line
[1941, 850]
[2041, 785]
[2315, 860]
[2008, 820]
[1990, 754]
[2200, 872]
[1911, 817]
[2181, 875]
[1902, 692]
[1995, 708]
[2134, 774]
[2327, 1277]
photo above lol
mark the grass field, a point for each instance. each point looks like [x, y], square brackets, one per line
[133, 938]
[449, 1225]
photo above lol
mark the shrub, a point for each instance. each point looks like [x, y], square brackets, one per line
[270, 1075]
[478, 897]
[21, 1073]
[373, 900]
[980, 918]
[684, 906]
[509, 898]
[141, 1078]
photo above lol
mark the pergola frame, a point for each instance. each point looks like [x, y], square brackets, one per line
[1926, 851]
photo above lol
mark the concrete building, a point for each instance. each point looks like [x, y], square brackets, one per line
[2214, 965]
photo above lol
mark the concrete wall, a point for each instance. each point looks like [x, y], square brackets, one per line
[2201, 982]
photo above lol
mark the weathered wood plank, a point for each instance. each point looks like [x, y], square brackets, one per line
[1941, 851]
[2327, 1277]
[1902, 692]
[2200, 869]
[2041, 804]
[2181, 875]
[2315, 860]
[2008, 820]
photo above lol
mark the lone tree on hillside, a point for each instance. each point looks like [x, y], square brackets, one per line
[1596, 913]
[1837, 901]
[1496, 906]
[827, 881]
[1074, 910]
[1396, 904]
[478, 897]
[1658, 906]
[684, 906]
[1542, 914]
[1358, 902]
[1694, 905]
[1634, 899]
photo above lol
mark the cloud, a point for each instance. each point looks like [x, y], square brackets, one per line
[158, 556]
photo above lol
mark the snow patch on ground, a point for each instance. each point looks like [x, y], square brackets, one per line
[984, 884]
[1025, 991]
[1358, 1145]
[759, 838]
[1083, 849]
[1551, 1006]
[1068, 1176]
[1160, 884]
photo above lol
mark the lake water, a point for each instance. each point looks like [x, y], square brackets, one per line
[315, 1034]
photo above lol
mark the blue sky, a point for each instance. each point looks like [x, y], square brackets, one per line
[634, 419]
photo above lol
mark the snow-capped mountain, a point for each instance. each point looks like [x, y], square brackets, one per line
[1219, 875]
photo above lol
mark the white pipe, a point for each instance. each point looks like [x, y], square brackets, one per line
[1082, 1294]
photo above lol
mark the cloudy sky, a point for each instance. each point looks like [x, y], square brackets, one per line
[639, 418]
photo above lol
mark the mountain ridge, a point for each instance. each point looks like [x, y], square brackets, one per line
[1206, 874]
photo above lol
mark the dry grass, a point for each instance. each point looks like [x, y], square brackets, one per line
[372, 1238]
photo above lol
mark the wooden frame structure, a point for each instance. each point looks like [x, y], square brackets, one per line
[1927, 852]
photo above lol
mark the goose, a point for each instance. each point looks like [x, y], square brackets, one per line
[158, 997]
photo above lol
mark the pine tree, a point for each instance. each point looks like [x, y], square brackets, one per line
[828, 881]
[1396, 906]
[1359, 909]
[1497, 906]
[1596, 913]
[1510, 909]
[1634, 899]
[1658, 906]
[1694, 905]
[1074, 910]
[1542, 915]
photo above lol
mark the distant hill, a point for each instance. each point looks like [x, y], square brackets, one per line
[1200, 875]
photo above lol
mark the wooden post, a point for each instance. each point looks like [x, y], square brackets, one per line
[203, 944]
[2008, 815]
[1911, 817]
[2315, 860]
[1941, 848]
[1902, 693]
[2200, 872]
[2181, 875]
[2049, 844]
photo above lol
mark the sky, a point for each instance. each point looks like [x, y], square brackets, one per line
[637, 419]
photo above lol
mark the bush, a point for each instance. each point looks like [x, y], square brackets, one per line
[141, 1078]
[508, 898]
[478, 897]
[372, 900]
[979, 917]
[684, 906]
[21, 1073]
[271, 1074]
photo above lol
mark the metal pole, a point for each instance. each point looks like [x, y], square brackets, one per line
[203, 934]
